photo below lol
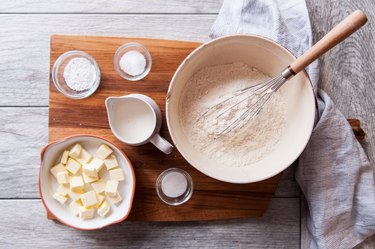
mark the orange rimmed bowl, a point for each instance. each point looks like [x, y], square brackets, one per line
[50, 155]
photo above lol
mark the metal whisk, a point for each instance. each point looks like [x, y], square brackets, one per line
[253, 98]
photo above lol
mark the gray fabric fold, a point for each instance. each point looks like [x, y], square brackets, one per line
[333, 172]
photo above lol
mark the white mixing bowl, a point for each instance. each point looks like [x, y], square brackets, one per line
[270, 58]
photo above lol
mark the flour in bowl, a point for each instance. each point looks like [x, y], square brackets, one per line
[243, 145]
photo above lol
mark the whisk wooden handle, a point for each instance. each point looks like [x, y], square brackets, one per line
[344, 29]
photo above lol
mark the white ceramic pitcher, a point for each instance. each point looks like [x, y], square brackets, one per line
[135, 119]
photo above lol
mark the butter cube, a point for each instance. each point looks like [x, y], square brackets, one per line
[86, 213]
[89, 199]
[111, 188]
[76, 183]
[60, 198]
[111, 162]
[84, 157]
[62, 177]
[64, 157]
[115, 199]
[79, 201]
[75, 207]
[99, 186]
[116, 174]
[100, 199]
[75, 195]
[89, 170]
[75, 151]
[97, 164]
[63, 190]
[56, 169]
[103, 151]
[89, 179]
[73, 166]
[104, 209]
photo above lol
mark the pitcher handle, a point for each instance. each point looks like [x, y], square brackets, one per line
[161, 144]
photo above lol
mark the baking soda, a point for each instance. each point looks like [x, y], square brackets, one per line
[174, 184]
[79, 74]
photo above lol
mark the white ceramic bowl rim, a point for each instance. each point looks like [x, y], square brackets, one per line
[172, 83]
[45, 150]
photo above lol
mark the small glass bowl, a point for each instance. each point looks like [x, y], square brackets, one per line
[58, 75]
[178, 200]
[132, 46]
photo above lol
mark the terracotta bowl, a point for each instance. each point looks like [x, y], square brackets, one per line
[47, 184]
[270, 58]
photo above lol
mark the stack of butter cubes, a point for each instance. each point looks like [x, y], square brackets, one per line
[79, 177]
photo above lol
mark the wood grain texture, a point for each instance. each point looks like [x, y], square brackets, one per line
[111, 6]
[24, 47]
[348, 70]
[24, 133]
[359, 133]
[347, 74]
[23, 224]
[337, 34]
[212, 199]
[25, 38]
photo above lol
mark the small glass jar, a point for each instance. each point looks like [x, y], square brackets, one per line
[174, 186]
[128, 47]
[59, 80]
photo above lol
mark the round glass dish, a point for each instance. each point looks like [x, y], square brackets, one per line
[132, 46]
[174, 178]
[58, 75]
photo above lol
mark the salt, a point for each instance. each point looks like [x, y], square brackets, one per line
[174, 184]
[133, 63]
[79, 74]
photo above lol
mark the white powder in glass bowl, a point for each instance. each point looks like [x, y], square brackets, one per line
[79, 74]
[133, 63]
[244, 145]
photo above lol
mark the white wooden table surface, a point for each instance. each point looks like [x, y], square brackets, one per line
[348, 74]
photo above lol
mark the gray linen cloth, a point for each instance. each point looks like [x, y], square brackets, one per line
[333, 172]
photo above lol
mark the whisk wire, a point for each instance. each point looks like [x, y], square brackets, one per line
[262, 98]
[259, 89]
[263, 91]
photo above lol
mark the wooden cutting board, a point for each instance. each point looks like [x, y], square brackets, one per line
[212, 199]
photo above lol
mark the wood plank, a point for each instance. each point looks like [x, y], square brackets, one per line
[24, 220]
[288, 186]
[369, 243]
[24, 53]
[348, 70]
[111, 6]
[24, 133]
[212, 199]
[347, 74]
